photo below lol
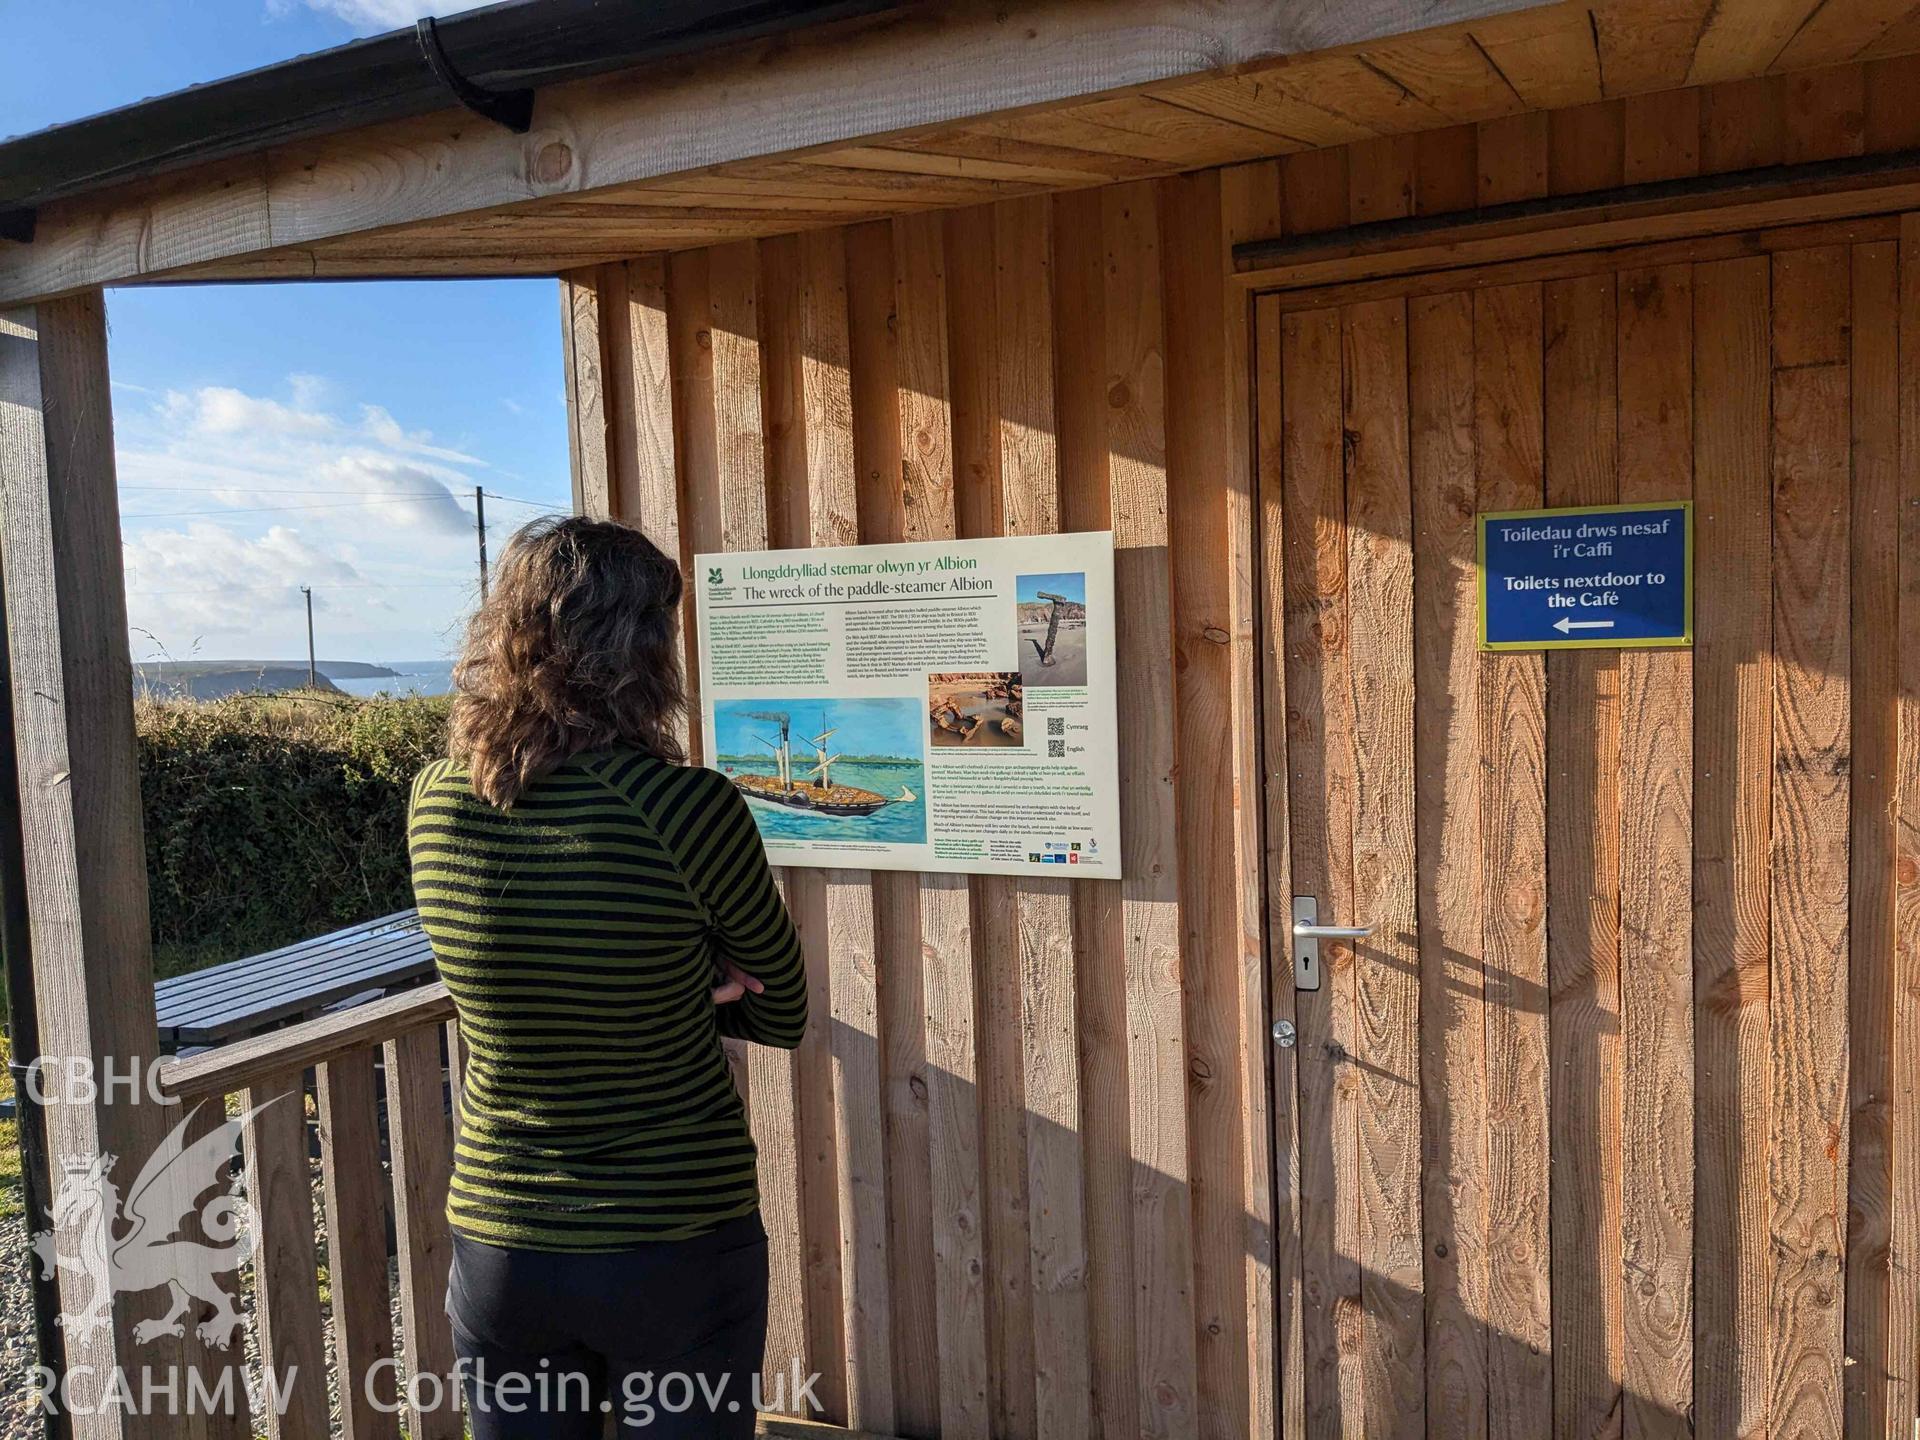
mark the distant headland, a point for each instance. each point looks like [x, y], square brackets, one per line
[216, 679]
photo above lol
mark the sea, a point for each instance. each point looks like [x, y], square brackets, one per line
[411, 677]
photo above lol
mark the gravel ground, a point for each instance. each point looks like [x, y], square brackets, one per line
[17, 1357]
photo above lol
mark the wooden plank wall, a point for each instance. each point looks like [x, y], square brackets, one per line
[1016, 1177]
[1665, 1181]
[1019, 1177]
[1753, 1157]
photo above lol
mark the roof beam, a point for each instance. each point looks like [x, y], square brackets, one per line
[904, 71]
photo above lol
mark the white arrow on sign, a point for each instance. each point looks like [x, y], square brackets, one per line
[1567, 626]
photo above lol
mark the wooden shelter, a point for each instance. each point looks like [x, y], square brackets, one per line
[1613, 1127]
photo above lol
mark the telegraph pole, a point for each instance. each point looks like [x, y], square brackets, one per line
[480, 526]
[313, 677]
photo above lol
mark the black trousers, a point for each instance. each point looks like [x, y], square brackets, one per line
[667, 1337]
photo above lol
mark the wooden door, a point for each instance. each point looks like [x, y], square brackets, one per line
[1580, 1124]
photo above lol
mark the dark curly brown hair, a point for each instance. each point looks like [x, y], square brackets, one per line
[573, 650]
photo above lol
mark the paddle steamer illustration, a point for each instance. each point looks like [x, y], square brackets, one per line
[815, 793]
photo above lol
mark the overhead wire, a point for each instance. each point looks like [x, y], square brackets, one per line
[255, 490]
[328, 504]
[341, 585]
[392, 494]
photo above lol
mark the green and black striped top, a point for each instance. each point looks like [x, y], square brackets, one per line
[578, 933]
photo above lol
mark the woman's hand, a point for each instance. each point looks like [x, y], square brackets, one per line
[734, 984]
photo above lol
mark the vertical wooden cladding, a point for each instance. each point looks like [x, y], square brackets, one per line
[1310, 488]
[1667, 1173]
[1732, 809]
[1611, 1128]
[1386, 981]
[1452, 1004]
[1655, 364]
[1509, 397]
[1159, 1151]
[1344, 612]
[1200, 552]
[1583, 889]
[1903, 956]
[1007, 1176]
[1807, 1140]
[1875, 531]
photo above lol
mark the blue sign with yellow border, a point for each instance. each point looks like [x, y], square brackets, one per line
[1592, 577]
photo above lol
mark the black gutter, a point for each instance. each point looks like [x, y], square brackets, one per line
[517, 46]
[23, 1015]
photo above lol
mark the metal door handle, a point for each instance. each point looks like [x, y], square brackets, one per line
[1284, 1035]
[1308, 932]
[1304, 931]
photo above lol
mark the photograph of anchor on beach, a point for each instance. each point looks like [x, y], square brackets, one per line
[1053, 628]
[980, 710]
[839, 769]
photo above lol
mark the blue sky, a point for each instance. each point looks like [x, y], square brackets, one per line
[1073, 585]
[863, 727]
[374, 409]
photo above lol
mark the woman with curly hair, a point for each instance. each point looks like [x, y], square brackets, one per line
[602, 914]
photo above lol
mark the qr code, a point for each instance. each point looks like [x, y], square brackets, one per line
[1056, 724]
[1056, 749]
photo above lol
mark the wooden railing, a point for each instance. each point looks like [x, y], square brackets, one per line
[266, 1079]
[340, 1051]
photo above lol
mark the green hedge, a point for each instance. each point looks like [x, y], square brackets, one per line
[272, 818]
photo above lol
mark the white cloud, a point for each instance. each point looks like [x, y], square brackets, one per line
[250, 450]
[408, 497]
[204, 582]
[310, 392]
[384, 428]
[374, 15]
[232, 500]
[219, 410]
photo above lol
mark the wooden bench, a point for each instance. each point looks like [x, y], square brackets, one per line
[260, 992]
